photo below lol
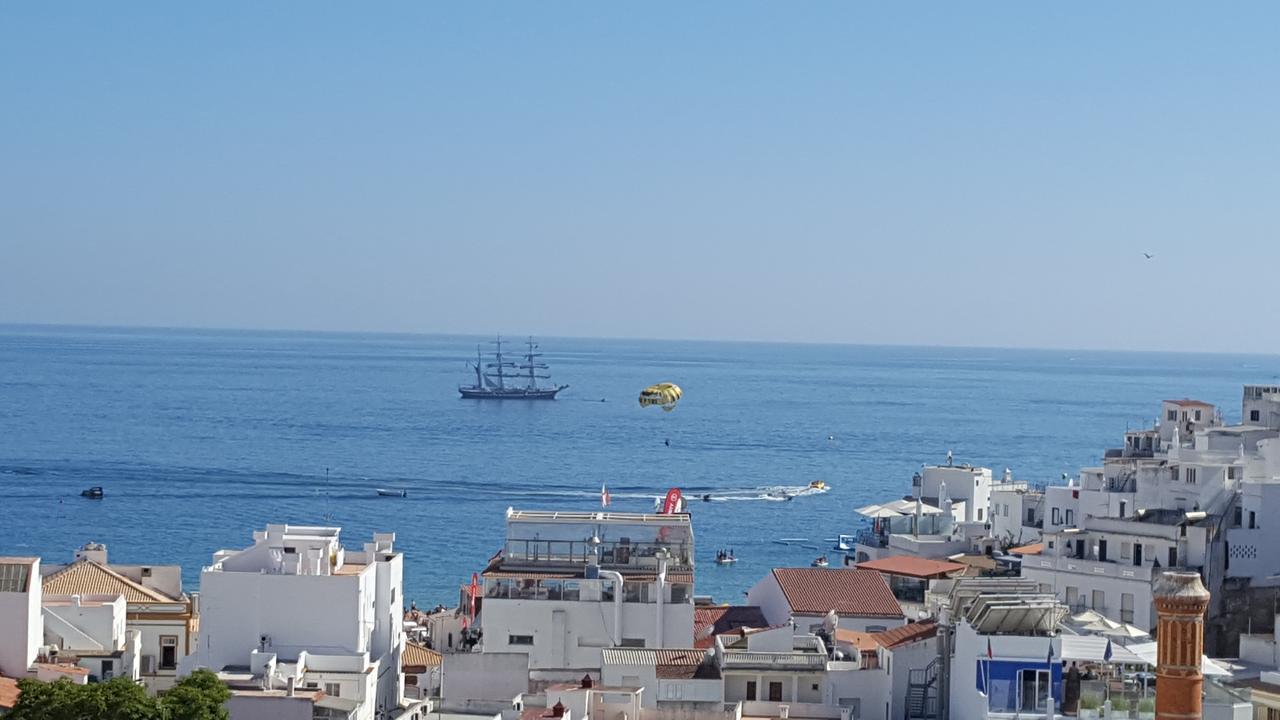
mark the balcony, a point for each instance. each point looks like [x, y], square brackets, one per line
[871, 539]
[775, 661]
[1104, 568]
[578, 552]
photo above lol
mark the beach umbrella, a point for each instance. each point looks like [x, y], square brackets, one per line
[877, 512]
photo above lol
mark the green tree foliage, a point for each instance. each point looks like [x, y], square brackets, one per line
[198, 697]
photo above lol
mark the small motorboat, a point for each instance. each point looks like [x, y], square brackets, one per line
[818, 485]
[94, 492]
[820, 562]
[842, 543]
[384, 492]
[725, 557]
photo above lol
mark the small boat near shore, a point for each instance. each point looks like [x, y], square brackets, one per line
[94, 493]
[387, 492]
[821, 562]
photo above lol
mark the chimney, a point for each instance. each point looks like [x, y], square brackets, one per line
[557, 710]
[1180, 600]
[586, 682]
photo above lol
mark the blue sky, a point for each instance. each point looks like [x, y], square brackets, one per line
[947, 173]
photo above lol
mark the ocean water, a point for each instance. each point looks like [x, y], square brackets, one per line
[200, 437]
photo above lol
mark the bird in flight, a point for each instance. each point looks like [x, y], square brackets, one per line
[1147, 255]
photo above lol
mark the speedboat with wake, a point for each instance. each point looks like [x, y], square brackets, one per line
[385, 492]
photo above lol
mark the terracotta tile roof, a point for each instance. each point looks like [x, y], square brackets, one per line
[9, 693]
[911, 632]
[86, 577]
[847, 591]
[708, 622]
[1032, 549]
[911, 566]
[864, 641]
[416, 656]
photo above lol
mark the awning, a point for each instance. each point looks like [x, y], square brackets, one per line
[1093, 648]
[1147, 651]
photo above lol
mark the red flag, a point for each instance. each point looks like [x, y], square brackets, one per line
[473, 591]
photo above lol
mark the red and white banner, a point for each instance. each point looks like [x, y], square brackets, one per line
[671, 504]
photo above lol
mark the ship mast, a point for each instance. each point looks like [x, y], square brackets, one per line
[500, 364]
[532, 365]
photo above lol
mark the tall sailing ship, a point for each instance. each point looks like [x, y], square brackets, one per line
[506, 380]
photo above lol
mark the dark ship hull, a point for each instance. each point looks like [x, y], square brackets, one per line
[473, 393]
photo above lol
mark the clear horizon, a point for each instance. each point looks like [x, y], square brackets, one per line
[952, 176]
[516, 337]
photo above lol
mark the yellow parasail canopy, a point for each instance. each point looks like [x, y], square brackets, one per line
[664, 394]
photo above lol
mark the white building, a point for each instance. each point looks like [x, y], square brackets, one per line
[947, 514]
[157, 610]
[20, 624]
[802, 598]
[90, 630]
[296, 615]
[1017, 512]
[1186, 494]
[566, 585]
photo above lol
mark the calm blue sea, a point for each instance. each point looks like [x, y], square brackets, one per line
[199, 437]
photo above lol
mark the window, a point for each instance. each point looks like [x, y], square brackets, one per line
[1073, 597]
[1255, 416]
[1055, 517]
[632, 642]
[1172, 416]
[1031, 516]
[1070, 517]
[979, 514]
[519, 639]
[1099, 600]
[751, 689]
[1190, 475]
[108, 669]
[1126, 550]
[814, 686]
[1237, 516]
[1197, 416]
[876, 628]
[1005, 509]
[775, 692]
[333, 689]
[1233, 472]
[168, 652]
[1126, 607]
[1252, 520]
[146, 572]
[1050, 544]
[1034, 687]
[1122, 509]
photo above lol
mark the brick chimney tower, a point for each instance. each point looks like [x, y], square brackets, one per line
[1180, 600]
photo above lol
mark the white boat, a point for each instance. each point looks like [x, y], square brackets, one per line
[820, 562]
[726, 560]
[843, 543]
[384, 492]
